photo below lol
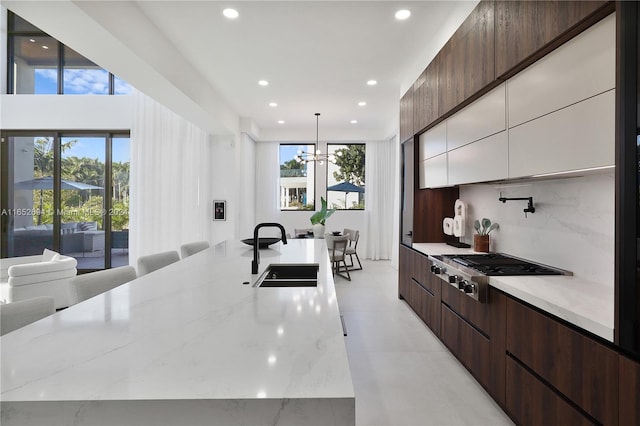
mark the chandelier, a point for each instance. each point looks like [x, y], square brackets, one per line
[308, 157]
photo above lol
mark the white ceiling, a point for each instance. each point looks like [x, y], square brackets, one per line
[317, 55]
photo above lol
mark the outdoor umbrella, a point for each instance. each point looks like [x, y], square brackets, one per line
[46, 182]
[345, 187]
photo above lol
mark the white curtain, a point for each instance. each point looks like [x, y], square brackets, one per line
[267, 182]
[380, 195]
[170, 175]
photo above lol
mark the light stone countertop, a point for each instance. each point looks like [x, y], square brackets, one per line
[581, 302]
[193, 337]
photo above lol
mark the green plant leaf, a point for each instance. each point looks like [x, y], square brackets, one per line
[321, 216]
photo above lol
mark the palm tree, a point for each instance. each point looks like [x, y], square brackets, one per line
[121, 181]
[43, 157]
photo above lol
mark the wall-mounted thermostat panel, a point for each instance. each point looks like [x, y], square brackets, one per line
[219, 210]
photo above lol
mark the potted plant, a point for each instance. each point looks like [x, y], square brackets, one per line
[481, 238]
[318, 219]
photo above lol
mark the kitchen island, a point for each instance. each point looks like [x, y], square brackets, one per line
[189, 344]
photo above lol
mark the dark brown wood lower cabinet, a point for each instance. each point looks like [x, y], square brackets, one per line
[531, 402]
[579, 367]
[472, 348]
[475, 333]
[629, 392]
[419, 287]
[427, 306]
[404, 271]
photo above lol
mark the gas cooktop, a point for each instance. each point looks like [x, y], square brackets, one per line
[496, 264]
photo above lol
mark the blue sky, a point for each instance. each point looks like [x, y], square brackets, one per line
[287, 152]
[78, 82]
[94, 148]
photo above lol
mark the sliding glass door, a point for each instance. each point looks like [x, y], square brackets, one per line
[119, 208]
[82, 199]
[28, 211]
[68, 192]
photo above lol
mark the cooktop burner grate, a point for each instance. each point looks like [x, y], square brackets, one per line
[494, 264]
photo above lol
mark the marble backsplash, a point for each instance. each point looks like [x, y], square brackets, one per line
[572, 228]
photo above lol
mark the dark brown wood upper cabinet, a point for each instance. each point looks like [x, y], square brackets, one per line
[525, 28]
[466, 65]
[406, 116]
[425, 106]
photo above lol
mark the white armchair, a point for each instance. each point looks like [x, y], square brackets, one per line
[34, 276]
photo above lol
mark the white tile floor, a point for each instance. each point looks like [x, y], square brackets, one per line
[402, 374]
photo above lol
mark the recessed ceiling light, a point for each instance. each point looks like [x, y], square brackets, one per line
[403, 14]
[371, 83]
[45, 47]
[280, 121]
[362, 103]
[263, 83]
[273, 104]
[230, 13]
[354, 121]
[32, 40]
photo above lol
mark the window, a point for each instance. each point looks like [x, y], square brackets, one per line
[34, 65]
[345, 176]
[296, 179]
[39, 64]
[68, 192]
[83, 77]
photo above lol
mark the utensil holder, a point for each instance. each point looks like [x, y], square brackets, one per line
[481, 243]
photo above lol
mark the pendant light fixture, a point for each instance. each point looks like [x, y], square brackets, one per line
[307, 157]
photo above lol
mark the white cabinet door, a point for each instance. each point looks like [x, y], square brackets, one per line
[484, 117]
[433, 172]
[577, 137]
[481, 161]
[581, 68]
[433, 142]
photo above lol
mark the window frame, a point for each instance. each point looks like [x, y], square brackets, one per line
[315, 177]
[6, 180]
[327, 172]
[12, 33]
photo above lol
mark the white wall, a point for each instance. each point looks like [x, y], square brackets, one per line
[572, 228]
[55, 112]
[245, 180]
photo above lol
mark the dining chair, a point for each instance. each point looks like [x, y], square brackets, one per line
[15, 315]
[88, 285]
[337, 246]
[190, 249]
[302, 231]
[354, 236]
[153, 262]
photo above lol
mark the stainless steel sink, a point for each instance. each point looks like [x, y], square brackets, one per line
[289, 275]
